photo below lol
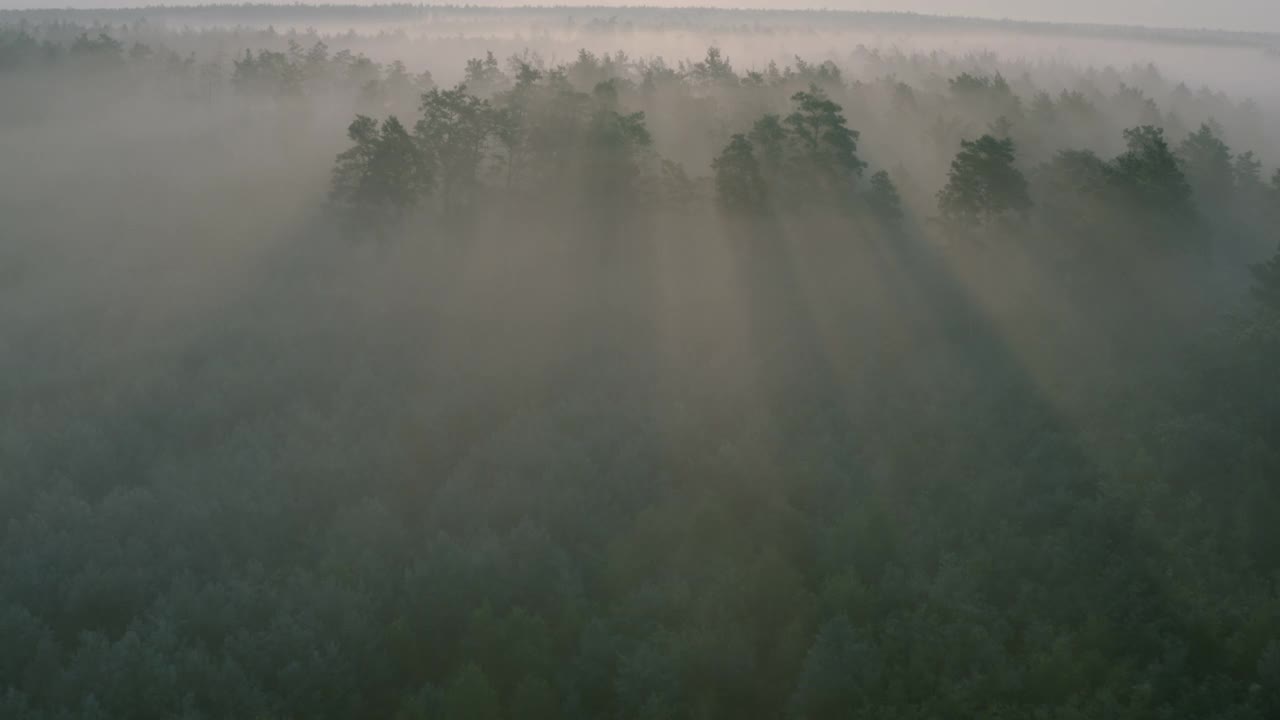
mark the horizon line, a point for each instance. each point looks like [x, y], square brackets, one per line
[814, 10]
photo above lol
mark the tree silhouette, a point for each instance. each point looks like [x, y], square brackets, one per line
[269, 74]
[383, 175]
[452, 134]
[769, 138]
[484, 77]
[1206, 161]
[1150, 174]
[715, 68]
[986, 97]
[1266, 283]
[983, 183]
[470, 697]
[1246, 171]
[614, 142]
[739, 183]
[883, 199]
[827, 159]
[809, 157]
[101, 51]
[1076, 203]
[840, 674]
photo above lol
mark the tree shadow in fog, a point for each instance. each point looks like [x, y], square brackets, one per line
[1024, 466]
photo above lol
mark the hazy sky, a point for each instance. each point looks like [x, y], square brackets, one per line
[1226, 14]
[1232, 14]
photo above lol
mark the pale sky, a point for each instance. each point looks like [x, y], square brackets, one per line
[1260, 15]
[1221, 14]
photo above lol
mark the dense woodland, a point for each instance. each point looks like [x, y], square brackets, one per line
[620, 387]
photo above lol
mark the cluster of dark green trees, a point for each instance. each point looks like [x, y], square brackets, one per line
[542, 132]
[389, 169]
[547, 134]
[667, 393]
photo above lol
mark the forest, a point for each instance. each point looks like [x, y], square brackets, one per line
[635, 364]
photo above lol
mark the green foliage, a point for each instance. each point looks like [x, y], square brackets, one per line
[452, 134]
[714, 69]
[470, 697]
[841, 674]
[1246, 172]
[18, 48]
[511, 649]
[808, 158]
[102, 50]
[1206, 161]
[984, 184]
[968, 85]
[824, 75]
[614, 143]
[383, 175]
[483, 76]
[770, 137]
[987, 97]
[1266, 287]
[739, 182]
[1150, 176]
[826, 148]
[269, 74]
[883, 198]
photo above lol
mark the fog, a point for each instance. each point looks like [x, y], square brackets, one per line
[468, 363]
[1244, 15]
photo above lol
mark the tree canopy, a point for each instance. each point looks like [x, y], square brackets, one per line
[984, 183]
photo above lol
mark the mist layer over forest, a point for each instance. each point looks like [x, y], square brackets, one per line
[465, 363]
